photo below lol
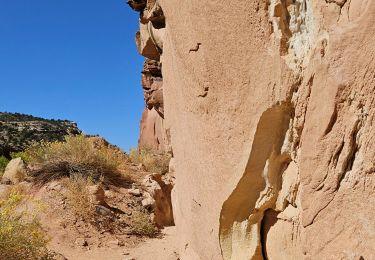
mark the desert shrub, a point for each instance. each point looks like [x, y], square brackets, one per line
[3, 163]
[141, 224]
[21, 155]
[21, 236]
[78, 197]
[79, 202]
[153, 161]
[78, 155]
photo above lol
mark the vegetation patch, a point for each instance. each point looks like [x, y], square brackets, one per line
[152, 161]
[21, 236]
[86, 157]
[3, 164]
[141, 224]
[17, 131]
[78, 197]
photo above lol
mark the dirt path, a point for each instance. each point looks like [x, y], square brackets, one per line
[153, 249]
[157, 249]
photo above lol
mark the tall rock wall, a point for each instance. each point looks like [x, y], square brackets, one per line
[271, 107]
[153, 133]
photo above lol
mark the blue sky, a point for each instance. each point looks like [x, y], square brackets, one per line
[73, 59]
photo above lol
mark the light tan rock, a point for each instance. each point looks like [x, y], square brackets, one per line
[135, 192]
[271, 108]
[15, 172]
[153, 132]
[158, 198]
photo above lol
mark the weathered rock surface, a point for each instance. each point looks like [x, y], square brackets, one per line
[271, 107]
[159, 189]
[15, 172]
[149, 43]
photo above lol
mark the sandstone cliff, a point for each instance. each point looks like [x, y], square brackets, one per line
[152, 22]
[270, 106]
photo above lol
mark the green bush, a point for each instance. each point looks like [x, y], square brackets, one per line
[21, 155]
[3, 163]
[21, 236]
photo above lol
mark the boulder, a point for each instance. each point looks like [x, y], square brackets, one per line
[15, 172]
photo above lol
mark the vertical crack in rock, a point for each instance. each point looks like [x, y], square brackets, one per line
[293, 30]
[352, 149]
[257, 191]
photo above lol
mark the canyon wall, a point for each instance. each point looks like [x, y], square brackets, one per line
[270, 106]
[153, 133]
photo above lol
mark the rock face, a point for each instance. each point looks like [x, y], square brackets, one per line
[149, 43]
[153, 132]
[17, 131]
[270, 106]
[15, 172]
[159, 188]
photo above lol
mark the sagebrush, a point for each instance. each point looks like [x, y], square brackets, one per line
[78, 197]
[83, 156]
[21, 236]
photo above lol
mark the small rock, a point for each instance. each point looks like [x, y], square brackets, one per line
[148, 202]
[54, 186]
[81, 242]
[135, 192]
[113, 243]
[129, 258]
[103, 211]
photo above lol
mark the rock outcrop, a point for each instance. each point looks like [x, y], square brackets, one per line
[149, 44]
[15, 172]
[271, 108]
[153, 132]
[17, 131]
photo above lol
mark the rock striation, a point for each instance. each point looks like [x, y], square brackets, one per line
[271, 108]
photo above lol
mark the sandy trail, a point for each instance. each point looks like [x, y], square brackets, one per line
[153, 249]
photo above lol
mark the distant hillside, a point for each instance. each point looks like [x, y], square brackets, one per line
[17, 131]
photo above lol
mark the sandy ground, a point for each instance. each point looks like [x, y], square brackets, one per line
[152, 249]
[157, 249]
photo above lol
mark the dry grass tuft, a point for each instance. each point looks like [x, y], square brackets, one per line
[141, 224]
[78, 197]
[77, 156]
[152, 161]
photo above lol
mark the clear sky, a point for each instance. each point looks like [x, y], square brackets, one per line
[75, 60]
